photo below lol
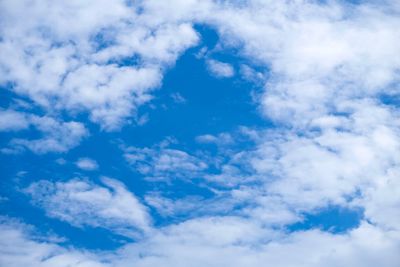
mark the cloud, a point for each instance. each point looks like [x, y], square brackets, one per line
[220, 69]
[178, 98]
[11, 120]
[192, 206]
[164, 163]
[325, 76]
[213, 241]
[221, 139]
[237, 242]
[83, 203]
[94, 57]
[56, 136]
[318, 55]
[334, 141]
[381, 200]
[328, 64]
[87, 164]
[19, 247]
[60, 137]
[168, 207]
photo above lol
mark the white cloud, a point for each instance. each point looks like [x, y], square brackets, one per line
[220, 69]
[83, 203]
[169, 207]
[60, 137]
[237, 242]
[11, 120]
[87, 164]
[70, 56]
[251, 74]
[214, 241]
[220, 139]
[164, 163]
[19, 248]
[192, 206]
[327, 65]
[56, 136]
[317, 54]
[381, 201]
[346, 160]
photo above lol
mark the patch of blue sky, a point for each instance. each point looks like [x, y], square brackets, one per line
[390, 99]
[335, 219]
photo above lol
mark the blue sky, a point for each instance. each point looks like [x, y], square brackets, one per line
[199, 133]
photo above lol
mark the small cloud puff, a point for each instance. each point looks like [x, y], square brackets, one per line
[87, 164]
[220, 69]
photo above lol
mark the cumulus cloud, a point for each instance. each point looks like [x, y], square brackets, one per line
[93, 57]
[338, 139]
[87, 164]
[325, 76]
[214, 241]
[11, 120]
[164, 163]
[228, 241]
[220, 69]
[83, 203]
[326, 73]
[318, 54]
[19, 247]
[223, 138]
[56, 136]
[335, 142]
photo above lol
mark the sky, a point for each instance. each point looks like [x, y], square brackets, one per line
[199, 133]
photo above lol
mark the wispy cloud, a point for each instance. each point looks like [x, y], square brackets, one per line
[83, 203]
[163, 164]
